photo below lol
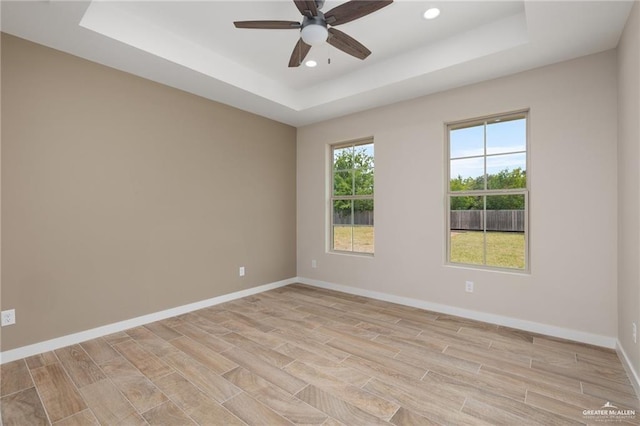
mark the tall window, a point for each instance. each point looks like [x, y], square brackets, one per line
[487, 192]
[352, 197]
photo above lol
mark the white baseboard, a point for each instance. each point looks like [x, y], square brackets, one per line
[628, 366]
[549, 330]
[535, 327]
[72, 339]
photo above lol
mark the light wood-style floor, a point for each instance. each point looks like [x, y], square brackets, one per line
[308, 356]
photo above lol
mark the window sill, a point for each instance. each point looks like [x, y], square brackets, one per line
[351, 253]
[508, 271]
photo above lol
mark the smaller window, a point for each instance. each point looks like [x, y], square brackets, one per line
[352, 197]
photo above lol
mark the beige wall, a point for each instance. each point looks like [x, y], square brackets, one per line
[629, 185]
[122, 197]
[573, 198]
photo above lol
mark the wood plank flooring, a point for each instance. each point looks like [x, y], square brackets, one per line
[301, 355]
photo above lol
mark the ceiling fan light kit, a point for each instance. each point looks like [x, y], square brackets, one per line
[314, 30]
[316, 27]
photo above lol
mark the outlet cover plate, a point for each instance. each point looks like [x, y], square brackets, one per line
[8, 317]
[468, 286]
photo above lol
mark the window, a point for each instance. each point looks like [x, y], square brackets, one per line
[352, 197]
[487, 206]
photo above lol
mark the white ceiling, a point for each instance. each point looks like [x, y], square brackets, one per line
[194, 46]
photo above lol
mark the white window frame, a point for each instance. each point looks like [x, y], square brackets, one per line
[487, 192]
[353, 197]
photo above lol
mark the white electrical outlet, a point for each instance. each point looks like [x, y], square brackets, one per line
[314, 264]
[634, 331]
[8, 317]
[468, 286]
[241, 271]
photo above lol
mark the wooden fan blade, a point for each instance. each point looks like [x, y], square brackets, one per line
[347, 44]
[299, 53]
[354, 9]
[307, 7]
[268, 25]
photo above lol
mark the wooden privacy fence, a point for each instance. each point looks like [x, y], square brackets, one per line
[497, 220]
[364, 218]
[461, 220]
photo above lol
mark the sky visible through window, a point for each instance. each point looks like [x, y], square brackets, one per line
[505, 145]
[366, 149]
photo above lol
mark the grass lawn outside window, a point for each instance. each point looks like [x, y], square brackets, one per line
[504, 249]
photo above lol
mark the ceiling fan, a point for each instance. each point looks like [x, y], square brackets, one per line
[317, 27]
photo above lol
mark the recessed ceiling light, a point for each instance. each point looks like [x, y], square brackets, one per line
[431, 13]
[311, 63]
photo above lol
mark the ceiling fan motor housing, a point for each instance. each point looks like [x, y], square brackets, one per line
[316, 20]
